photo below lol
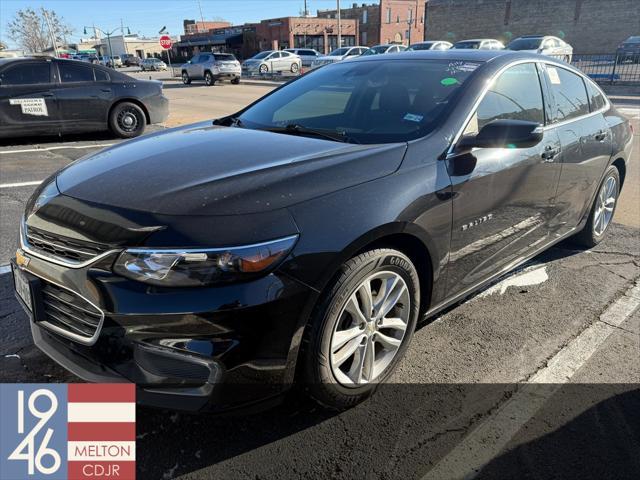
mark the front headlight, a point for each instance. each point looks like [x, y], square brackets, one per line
[199, 267]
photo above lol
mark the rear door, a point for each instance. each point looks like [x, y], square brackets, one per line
[502, 209]
[27, 102]
[82, 100]
[585, 139]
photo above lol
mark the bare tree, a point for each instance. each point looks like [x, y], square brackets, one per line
[29, 29]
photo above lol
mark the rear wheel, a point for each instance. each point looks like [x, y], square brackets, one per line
[127, 120]
[361, 328]
[602, 210]
[295, 67]
[208, 79]
[185, 78]
[235, 81]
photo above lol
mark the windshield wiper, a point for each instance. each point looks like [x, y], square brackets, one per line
[294, 128]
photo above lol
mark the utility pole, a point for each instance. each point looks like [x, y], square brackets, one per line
[124, 40]
[201, 16]
[51, 34]
[339, 26]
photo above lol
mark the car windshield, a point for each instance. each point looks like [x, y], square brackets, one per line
[466, 45]
[525, 44]
[376, 50]
[338, 52]
[223, 57]
[632, 40]
[364, 102]
[421, 46]
[262, 55]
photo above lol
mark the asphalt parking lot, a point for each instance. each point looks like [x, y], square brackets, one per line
[536, 377]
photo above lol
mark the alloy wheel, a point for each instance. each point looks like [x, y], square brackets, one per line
[605, 206]
[370, 329]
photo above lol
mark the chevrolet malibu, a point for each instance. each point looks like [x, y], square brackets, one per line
[301, 239]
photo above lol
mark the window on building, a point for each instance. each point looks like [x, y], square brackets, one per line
[388, 15]
[569, 94]
[365, 14]
[70, 72]
[515, 95]
[397, 18]
[26, 74]
[363, 38]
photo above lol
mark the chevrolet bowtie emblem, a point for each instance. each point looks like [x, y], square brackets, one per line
[21, 259]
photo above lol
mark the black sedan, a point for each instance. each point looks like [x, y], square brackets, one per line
[301, 239]
[46, 96]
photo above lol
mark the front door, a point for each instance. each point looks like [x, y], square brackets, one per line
[27, 102]
[501, 210]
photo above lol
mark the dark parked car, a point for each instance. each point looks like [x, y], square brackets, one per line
[302, 238]
[45, 96]
[629, 50]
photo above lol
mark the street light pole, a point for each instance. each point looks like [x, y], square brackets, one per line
[108, 35]
[339, 26]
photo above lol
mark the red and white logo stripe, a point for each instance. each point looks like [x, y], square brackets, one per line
[102, 431]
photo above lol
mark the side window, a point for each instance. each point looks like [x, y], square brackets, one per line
[101, 76]
[569, 94]
[26, 74]
[274, 55]
[75, 73]
[596, 99]
[516, 94]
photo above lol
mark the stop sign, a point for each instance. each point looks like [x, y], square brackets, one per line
[165, 42]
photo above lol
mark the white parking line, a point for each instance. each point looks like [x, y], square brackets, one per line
[490, 438]
[20, 184]
[5, 269]
[61, 147]
[633, 112]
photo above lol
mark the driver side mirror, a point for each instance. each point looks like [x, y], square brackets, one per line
[504, 134]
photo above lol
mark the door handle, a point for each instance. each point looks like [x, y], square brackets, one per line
[105, 90]
[600, 136]
[550, 153]
[48, 94]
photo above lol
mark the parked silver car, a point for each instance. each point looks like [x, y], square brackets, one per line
[479, 44]
[629, 50]
[307, 55]
[431, 45]
[543, 44]
[271, 61]
[154, 64]
[338, 55]
[381, 49]
[212, 67]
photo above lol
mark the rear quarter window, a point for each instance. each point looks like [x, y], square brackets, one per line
[596, 99]
[569, 94]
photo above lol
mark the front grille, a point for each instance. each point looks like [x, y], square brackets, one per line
[75, 251]
[70, 312]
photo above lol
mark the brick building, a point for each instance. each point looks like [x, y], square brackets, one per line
[192, 27]
[399, 21]
[310, 32]
[590, 26]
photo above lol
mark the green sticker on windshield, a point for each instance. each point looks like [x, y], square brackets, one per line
[449, 81]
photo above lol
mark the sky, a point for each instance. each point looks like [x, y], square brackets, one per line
[147, 17]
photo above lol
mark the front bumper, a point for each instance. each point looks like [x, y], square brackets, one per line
[193, 349]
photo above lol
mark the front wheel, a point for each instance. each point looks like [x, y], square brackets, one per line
[263, 69]
[602, 210]
[127, 120]
[185, 78]
[361, 328]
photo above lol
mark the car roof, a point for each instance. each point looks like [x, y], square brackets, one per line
[477, 40]
[451, 55]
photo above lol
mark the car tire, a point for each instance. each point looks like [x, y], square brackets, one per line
[185, 78]
[295, 68]
[323, 375]
[263, 69]
[127, 120]
[235, 81]
[602, 210]
[208, 79]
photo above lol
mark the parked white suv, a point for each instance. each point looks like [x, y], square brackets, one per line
[212, 67]
[543, 44]
[307, 55]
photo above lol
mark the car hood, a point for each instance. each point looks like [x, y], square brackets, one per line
[204, 169]
[330, 58]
